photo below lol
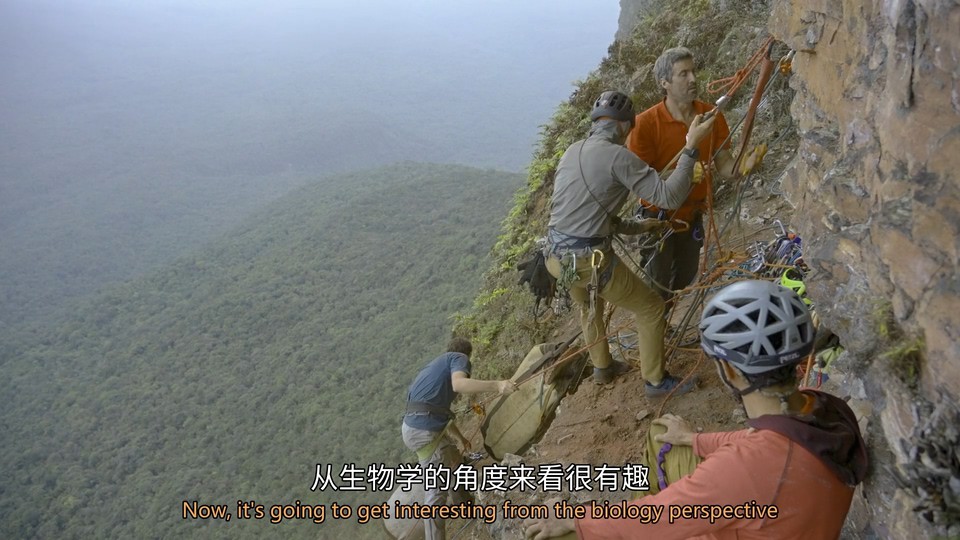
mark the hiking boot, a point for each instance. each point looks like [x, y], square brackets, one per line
[608, 374]
[668, 383]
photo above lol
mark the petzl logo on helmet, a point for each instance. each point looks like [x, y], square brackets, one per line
[789, 357]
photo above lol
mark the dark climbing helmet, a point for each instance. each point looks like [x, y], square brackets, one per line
[757, 326]
[613, 104]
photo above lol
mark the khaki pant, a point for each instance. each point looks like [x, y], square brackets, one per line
[624, 290]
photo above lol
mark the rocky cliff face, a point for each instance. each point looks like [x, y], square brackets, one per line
[876, 196]
[875, 186]
[631, 12]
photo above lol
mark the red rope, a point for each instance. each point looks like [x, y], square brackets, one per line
[765, 73]
[730, 85]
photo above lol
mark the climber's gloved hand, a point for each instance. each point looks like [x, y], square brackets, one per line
[753, 160]
[534, 272]
[695, 178]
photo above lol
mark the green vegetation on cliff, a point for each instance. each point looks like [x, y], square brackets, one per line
[721, 40]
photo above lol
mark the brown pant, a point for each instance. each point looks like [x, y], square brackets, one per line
[624, 290]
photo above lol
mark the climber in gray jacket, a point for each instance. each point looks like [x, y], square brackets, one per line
[594, 178]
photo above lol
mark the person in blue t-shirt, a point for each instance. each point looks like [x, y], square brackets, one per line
[428, 423]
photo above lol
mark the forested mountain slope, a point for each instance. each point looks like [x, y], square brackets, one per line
[230, 374]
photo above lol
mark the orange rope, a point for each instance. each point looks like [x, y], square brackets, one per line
[804, 373]
[730, 85]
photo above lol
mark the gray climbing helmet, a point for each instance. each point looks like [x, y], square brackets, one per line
[757, 326]
[613, 104]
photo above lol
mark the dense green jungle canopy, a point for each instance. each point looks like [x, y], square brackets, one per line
[233, 372]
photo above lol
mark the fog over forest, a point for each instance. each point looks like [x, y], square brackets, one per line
[131, 132]
[216, 206]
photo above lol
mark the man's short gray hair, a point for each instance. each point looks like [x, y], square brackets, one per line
[663, 68]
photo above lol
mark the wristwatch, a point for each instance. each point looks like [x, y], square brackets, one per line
[692, 152]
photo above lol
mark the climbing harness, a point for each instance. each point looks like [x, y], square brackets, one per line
[414, 407]
[569, 250]
[676, 226]
[424, 452]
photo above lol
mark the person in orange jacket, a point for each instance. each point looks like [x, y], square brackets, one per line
[657, 136]
[790, 476]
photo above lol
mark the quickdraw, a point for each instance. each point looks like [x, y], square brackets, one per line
[596, 261]
[786, 65]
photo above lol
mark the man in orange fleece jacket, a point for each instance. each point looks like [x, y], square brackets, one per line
[791, 475]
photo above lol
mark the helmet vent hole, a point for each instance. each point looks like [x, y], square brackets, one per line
[805, 333]
[776, 340]
[735, 327]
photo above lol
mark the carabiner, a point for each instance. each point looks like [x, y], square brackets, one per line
[697, 233]
[663, 239]
[593, 258]
[783, 230]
